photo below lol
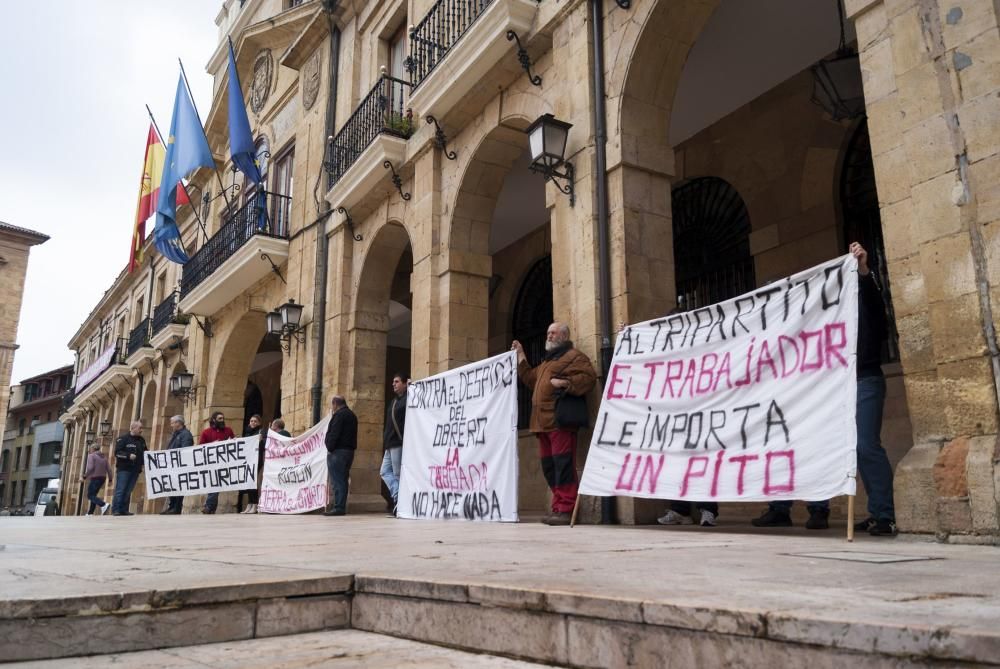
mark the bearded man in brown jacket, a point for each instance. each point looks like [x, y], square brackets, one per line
[563, 370]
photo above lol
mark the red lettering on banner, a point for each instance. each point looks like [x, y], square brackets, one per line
[689, 474]
[651, 470]
[715, 476]
[742, 460]
[807, 336]
[834, 348]
[789, 485]
[651, 366]
[615, 380]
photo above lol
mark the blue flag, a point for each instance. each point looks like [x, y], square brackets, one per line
[187, 149]
[241, 144]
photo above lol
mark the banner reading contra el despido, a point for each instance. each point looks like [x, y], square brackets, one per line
[460, 444]
[196, 470]
[295, 476]
[749, 399]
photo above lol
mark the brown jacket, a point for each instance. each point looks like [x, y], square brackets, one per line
[569, 364]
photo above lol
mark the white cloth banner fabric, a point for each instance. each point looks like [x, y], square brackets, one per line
[752, 399]
[460, 444]
[295, 476]
[196, 470]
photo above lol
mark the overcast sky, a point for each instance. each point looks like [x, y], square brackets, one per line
[75, 77]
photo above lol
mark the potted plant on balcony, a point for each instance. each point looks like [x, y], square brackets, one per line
[400, 124]
[180, 318]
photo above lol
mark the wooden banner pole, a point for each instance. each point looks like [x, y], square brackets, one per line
[576, 507]
[850, 518]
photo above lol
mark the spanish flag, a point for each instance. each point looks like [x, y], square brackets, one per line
[149, 187]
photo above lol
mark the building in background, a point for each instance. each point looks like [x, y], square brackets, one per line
[32, 446]
[15, 245]
[742, 145]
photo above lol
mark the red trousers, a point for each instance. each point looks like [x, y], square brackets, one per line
[557, 450]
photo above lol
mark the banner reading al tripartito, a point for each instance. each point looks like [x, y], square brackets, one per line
[460, 444]
[745, 400]
[295, 477]
[196, 470]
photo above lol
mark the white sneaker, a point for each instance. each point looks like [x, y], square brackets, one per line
[707, 518]
[674, 518]
[104, 509]
[251, 508]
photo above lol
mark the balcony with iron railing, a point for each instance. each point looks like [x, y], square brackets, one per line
[251, 242]
[108, 367]
[375, 133]
[168, 321]
[456, 46]
[138, 338]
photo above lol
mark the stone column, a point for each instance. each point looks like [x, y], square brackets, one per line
[931, 74]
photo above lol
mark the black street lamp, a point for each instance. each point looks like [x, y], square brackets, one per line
[105, 428]
[285, 323]
[547, 143]
[182, 385]
[837, 86]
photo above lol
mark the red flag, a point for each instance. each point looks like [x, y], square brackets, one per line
[149, 191]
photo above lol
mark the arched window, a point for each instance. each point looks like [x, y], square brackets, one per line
[531, 320]
[863, 222]
[711, 243]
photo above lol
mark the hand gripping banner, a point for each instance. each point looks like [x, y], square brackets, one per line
[752, 399]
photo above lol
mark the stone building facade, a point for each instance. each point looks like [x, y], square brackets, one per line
[425, 251]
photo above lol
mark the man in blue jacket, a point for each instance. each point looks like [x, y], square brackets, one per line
[180, 438]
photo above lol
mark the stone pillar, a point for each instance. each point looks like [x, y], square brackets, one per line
[931, 74]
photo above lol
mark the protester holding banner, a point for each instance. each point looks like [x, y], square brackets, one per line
[278, 426]
[873, 463]
[129, 450]
[341, 443]
[216, 431]
[97, 472]
[181, 438]
[253, 430]
[392, 438]
[564, 371]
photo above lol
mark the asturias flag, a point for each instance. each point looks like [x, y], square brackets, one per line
[241, 143]
[187, 149]
[149, 187]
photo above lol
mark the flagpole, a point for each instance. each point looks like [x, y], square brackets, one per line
[229, 207]
[197, 216]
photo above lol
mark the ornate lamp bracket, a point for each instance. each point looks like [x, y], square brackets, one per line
[440, 139]
[396, 180]
[274, 268]
[350, 224]
[524, 58]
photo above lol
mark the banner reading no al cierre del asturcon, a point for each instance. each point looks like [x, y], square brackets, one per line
[460, 444]
[196, 470]
[751, 399]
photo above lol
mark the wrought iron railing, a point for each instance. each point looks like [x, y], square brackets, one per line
[383, 111]
[139, 336]
[164, 312]
[266, 214]
[438, 32]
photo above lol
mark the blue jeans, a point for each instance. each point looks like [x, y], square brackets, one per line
[338, 464]
[392, 462]
[124, 483]
[93, 487]
[873, 463]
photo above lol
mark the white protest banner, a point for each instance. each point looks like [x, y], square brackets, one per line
[96, 368]
[195, 470]
[460, 444]
[752, 399]
[295, 477]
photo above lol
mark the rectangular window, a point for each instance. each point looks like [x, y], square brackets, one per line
[27, 458]
[49, 453]
[140, 312]
[397, 54]
[281, 185]
[17, 460]
[161, 287]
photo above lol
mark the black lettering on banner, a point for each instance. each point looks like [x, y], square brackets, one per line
[689, 442]
[775, 416]
[718, 324]
[766, 293]
[743, 425]
[698, 325]
[625, 338]
[676, 323]
[713, 427]
[739, 312]
[176, 458]
[835, 271]
[659, 326]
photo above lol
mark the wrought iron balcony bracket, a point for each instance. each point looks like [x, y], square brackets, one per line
[206, 327]
[524, 58]
[274, 268]
[554, 175]
[441, 140]
[350, 224]
[396, 180]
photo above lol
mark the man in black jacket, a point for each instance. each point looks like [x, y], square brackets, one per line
[180, 438]
[129, 451]
[341, 442]
[392, 438]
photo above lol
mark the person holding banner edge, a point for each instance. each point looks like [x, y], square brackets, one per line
[253, 430]
[563, 370]
[341, 444]
[873, 463]
[180, 438]
[216, 431]
[392, 438]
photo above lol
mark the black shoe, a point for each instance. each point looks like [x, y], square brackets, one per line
[170, 512]
[334, 512]
[883, 528]
[819, 519]
[557, 518]
[208, 511]
[772, 518]
[865, 525]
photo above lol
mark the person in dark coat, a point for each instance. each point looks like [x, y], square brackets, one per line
[392, 438]
[341, 443]
[253, 494]
[180, 438]
[129, 452]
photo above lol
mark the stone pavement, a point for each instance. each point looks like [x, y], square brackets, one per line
[584, 596]
[341, 649]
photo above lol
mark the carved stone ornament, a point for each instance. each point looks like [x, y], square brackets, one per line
[310, 80]
[260, 85]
